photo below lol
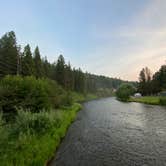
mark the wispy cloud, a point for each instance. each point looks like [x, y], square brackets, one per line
[129, 48]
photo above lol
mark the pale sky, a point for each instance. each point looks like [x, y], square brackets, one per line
[116, 38]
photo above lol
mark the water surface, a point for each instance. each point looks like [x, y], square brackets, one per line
[112, 133]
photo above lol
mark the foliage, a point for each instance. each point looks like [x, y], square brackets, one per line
[152, 84]
[30, 93]
[13, 61]
[33, 137]
[162, 100]
[124, 91]
[28, 67]
[154, 100]
[9, 53]
[145, 81]
[39, 71]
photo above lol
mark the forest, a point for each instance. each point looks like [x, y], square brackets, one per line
[14, 61]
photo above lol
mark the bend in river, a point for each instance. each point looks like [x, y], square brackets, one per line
[108, 132]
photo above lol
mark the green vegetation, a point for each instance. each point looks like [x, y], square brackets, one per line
[146, 99]
[38, 101]
[31, 93]
[31, 139]
[154, 100]
[124, 92]
[13, 61]
[152, 84]
[79, 97]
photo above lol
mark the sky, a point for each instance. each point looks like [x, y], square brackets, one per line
[115, 38]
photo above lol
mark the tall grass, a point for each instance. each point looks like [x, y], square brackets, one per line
[154, 100]
[33, 137]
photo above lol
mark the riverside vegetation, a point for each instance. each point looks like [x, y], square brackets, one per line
[39, 100]
[35, 116]
[152, 87]
[153, 100]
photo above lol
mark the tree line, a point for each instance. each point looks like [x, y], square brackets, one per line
[150, 84]
[13, 61]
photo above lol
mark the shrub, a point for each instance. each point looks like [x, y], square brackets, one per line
[124, 91]
[30, 93]
[162, 100]
[32, 123]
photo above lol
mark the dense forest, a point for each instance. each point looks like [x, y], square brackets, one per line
[14, 61]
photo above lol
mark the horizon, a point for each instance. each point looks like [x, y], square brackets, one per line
[111, 38]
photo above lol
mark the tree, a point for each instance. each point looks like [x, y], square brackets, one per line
[60, 70]
[12, 61]
[125, 91]
[69, 78]
[27, 62]
[162, 77]
[47, 68]
[39, 71]
[145, 78]
[79, 80]
[9, 55]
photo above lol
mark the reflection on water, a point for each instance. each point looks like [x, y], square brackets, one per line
[108, 132]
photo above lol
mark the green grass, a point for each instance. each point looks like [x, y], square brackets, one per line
[154, 100]
[33, 138]
[79, 97]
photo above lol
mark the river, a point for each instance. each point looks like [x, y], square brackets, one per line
[112, 133]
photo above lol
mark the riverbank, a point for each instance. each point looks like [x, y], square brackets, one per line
[33, 138]
[153, 100]
[35, 115]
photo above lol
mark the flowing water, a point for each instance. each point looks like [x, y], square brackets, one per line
[112, 133]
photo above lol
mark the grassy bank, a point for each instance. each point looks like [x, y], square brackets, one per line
[34, 117]
[79, 97]
[33, 137]
[154, 100]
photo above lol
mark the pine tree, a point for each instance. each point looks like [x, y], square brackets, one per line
[27, 62]
[69, 78]
[9, 56]
[145, 81]
[39, 71]
[60, 70]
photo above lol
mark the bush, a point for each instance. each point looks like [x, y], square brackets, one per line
[30, 93]
[162, 100]
[124, 91]
[33, 138]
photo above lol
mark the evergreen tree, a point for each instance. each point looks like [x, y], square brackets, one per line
[47, 68]
[60, 70]
[79, 81]
[145, 85]
[27, 62]
[39, 71]
[9, 56]
[12, 60]
[69, 78]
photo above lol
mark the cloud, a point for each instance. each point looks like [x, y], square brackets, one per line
[127, 49]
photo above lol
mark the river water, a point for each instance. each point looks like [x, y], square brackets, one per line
[112, 133]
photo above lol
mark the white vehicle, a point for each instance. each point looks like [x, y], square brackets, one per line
[137, 95]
